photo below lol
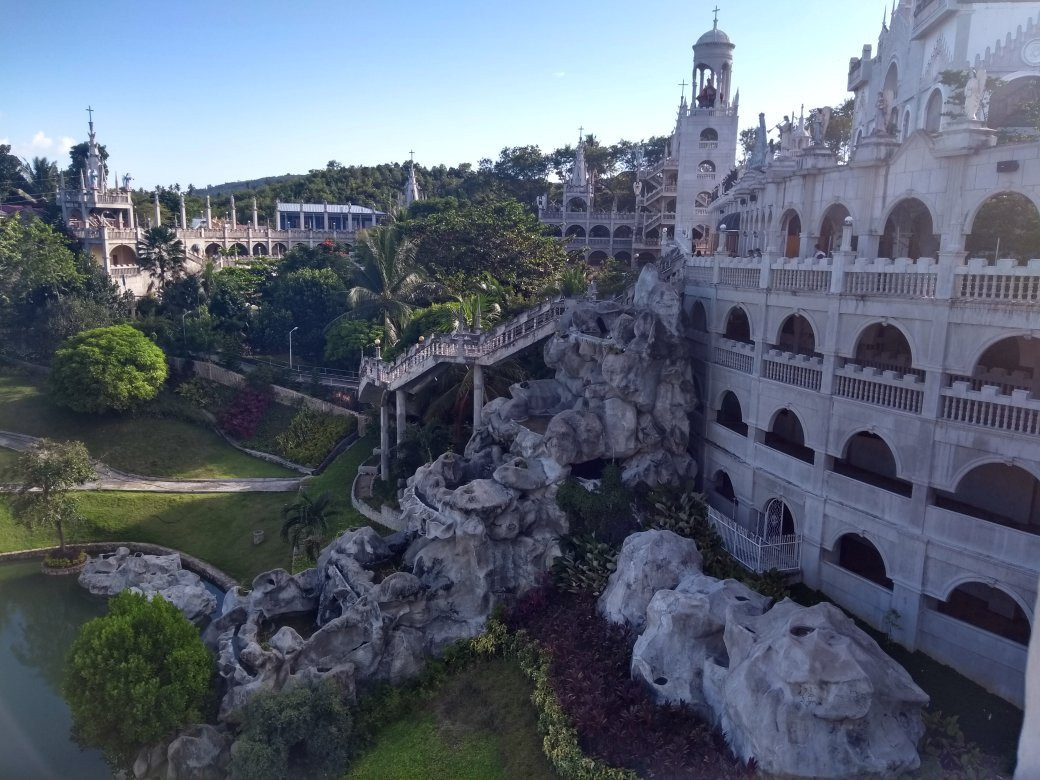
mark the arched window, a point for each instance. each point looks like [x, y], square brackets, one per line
[730, 415]
[706, 166]
[831, 226]
[699, 317]
[1008, 220]
[796, 335]
[884, 347]
[123, 255]
[856, 554]
[709, 134]
[868, 459]
[933, 111]
[906, 126]
[599, 231]
[738, 328]
[787, 436]
[1000, 493]
[988, 608]
[908, 231]
[791, 227]
[703, 200]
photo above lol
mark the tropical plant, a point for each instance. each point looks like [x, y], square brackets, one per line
[162, 255]
[116, 367]
[573, 281]
[455, 398]
[45, 472]
[136, 675]
[305, 522]
[41, 177]
[478, 311]
[388, 283]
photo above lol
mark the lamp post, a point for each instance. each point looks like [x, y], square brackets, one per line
[184, 334]
[290, 345]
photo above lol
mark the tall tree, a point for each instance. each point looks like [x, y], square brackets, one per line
[389, 281]
[41, 177]
[838, 137]
[162, 255]
[45, 472]
[306, 521]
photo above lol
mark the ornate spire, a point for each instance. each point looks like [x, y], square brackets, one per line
[579, 174]
[411, 192]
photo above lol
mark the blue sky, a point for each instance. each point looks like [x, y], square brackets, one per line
[207, 92]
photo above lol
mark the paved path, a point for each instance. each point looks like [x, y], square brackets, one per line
[113, 479]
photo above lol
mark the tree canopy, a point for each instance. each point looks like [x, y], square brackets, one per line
[115, 367]
[136, 675]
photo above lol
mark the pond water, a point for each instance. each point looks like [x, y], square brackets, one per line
[39, 618]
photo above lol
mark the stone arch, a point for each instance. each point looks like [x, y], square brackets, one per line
[858, 554]
[868, 457]
[699, 317]
[791, 229]
[259, 250]
[212, 250]
[737, 325]
[998, 492]
[989, 608]
[196, 249]
[1008, 103]
[598, 257]
[706, 166]
[730, 414]
[933, 110]
[831, 226]
[623, 231]
[1011, 362]
[575, 231]
[787, 434]
[599, 231]
[299, 245]
[909, 230]
[123, 255]
[1010, 218]
[797, 335]
[904, 132]
[239, 250]
[623, 257]
[577, 204]
[278, 250]
[723, 486]
[885, 346]
[703, 199]
[777, 519]
[709, 134]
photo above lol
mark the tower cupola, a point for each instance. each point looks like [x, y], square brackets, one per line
[712, 68]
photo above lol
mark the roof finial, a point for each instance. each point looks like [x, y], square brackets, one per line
[90, 113]
[716, 25]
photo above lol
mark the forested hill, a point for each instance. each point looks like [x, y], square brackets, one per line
[230, 187]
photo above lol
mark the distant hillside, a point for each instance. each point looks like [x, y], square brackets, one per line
[251, 184]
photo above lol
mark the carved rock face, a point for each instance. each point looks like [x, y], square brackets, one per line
[809, 694]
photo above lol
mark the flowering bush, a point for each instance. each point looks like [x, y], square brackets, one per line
[243, 414]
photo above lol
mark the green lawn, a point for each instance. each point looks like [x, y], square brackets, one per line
[7, 460]
[338, 478]
[139, 443]
[480, 725]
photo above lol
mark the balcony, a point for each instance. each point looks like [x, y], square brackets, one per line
[737, 355]
[900, 392]
[755, 553]
[803, 371]
[986, 408]
[897, 284]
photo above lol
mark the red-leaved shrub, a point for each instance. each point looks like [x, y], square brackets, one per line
[241, 417]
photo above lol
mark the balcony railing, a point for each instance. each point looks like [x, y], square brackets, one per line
[888, 389]
[1016, 413]
[708, 145]
[791, 369]
[800, 279]
[741, 276]
[754, 552]
[736, 355]
[992, 286]
[891, 285]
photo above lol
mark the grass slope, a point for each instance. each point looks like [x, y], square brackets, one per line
[142, 444]
[480, 725]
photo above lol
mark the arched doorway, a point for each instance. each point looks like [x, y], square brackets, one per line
[858, 555]
[787, 436]
[791, 228]
[831, 227]
[730, 414]
[122, 255]
[738, 327]
[933, 112]
[1006, 225]
[575, 231]
[212, 250]
[699, 317]
[999, 493]
[278, 250]
[884, 347]
[722, 497]
[239, 250]
[868, 458]
[777, 521]
[577, 204]
[796, 336]
[259, 250]
[989, 608]
[909, 232]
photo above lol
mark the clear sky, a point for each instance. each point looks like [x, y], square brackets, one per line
[207, 92]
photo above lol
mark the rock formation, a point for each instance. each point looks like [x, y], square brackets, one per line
[107, 575]
[802, 690]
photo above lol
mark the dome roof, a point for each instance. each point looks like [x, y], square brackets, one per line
[713, 36]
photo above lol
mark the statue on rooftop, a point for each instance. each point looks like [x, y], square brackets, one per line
[881, 118]
[974, 90]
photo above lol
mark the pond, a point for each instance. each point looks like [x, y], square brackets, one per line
[39, 618]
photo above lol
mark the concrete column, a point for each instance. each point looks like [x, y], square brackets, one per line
[256, 217]
[478, 394]
[325, 217]
[158, 214]
[184, 215]
[234, 213]
[401, 405]
[384, 438]
[209, 215]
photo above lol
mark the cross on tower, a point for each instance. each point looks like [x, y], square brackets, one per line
[90, 112]
[683, 85]
[581, 132]
[716, 10]
[411, 153]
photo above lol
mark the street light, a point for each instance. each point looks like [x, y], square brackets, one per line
[290, 345]
[184, 335]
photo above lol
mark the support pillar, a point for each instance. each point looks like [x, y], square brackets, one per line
[401, 405]
[158, 214]
[384, 438]
[184, 215]
[478, 394]
[209, 214]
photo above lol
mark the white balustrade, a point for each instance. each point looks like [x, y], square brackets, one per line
[814, 280]
[900, 392]
[895, 284]
[992, 286]
[797, 370]
[1017, 413]
[740, 276]
[736, 355]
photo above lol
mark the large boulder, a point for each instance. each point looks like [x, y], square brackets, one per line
[806, 693]
[684, 627]
[200, 753]
[649, 561]
[575, 437]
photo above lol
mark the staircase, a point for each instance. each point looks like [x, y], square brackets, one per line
[486, 348]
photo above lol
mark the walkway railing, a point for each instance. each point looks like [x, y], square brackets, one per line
[782, 553]
[506, 338]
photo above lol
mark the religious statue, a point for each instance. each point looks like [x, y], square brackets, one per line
[706, 99]
[974, 89]
[127, 178]
[92, 177]
[881, 118]
[819, 118]
[785, 129]
[758, 152]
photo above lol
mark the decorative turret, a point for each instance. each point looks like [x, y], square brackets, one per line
[712, 67]
[577, 189]
[411, 192]
[579, 173]
[95, 172]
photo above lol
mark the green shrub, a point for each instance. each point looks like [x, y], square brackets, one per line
[585, 565]
[605, 513]
[306, 731]
[199, 392]
[311, 435]
[57, 562]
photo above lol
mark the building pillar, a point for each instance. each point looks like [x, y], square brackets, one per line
[184, 214]
[325, 217]
[401, 406]
[158, 213]
[384, 438]
[234, 213]
[256, 217]
[301, 216]
[209, 215]
[478, 394]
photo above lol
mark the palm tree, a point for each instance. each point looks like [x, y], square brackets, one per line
[161, 254]
[388, 279]
[305, 522]
[477, 311]
[41, 177]
[455, 401]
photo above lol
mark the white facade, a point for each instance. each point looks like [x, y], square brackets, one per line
[865, 383]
